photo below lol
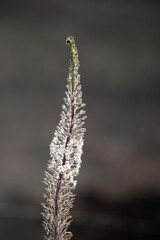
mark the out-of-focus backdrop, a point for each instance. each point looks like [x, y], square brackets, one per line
[118, 191]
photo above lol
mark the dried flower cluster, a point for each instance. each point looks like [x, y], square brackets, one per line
[65, 153]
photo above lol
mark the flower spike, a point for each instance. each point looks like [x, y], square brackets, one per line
[65, 156]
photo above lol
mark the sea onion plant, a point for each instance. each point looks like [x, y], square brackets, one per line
[65, 156]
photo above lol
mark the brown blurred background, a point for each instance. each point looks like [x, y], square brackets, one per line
[118, 192]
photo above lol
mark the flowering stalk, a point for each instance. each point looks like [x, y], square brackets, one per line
[65, 153]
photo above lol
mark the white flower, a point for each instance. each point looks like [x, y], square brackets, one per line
[67, 166]
[60, 169]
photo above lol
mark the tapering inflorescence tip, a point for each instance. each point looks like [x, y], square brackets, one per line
[70, 40]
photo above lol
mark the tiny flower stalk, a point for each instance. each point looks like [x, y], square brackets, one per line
[65, 156]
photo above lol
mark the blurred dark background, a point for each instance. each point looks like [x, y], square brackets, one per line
[118, 192]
